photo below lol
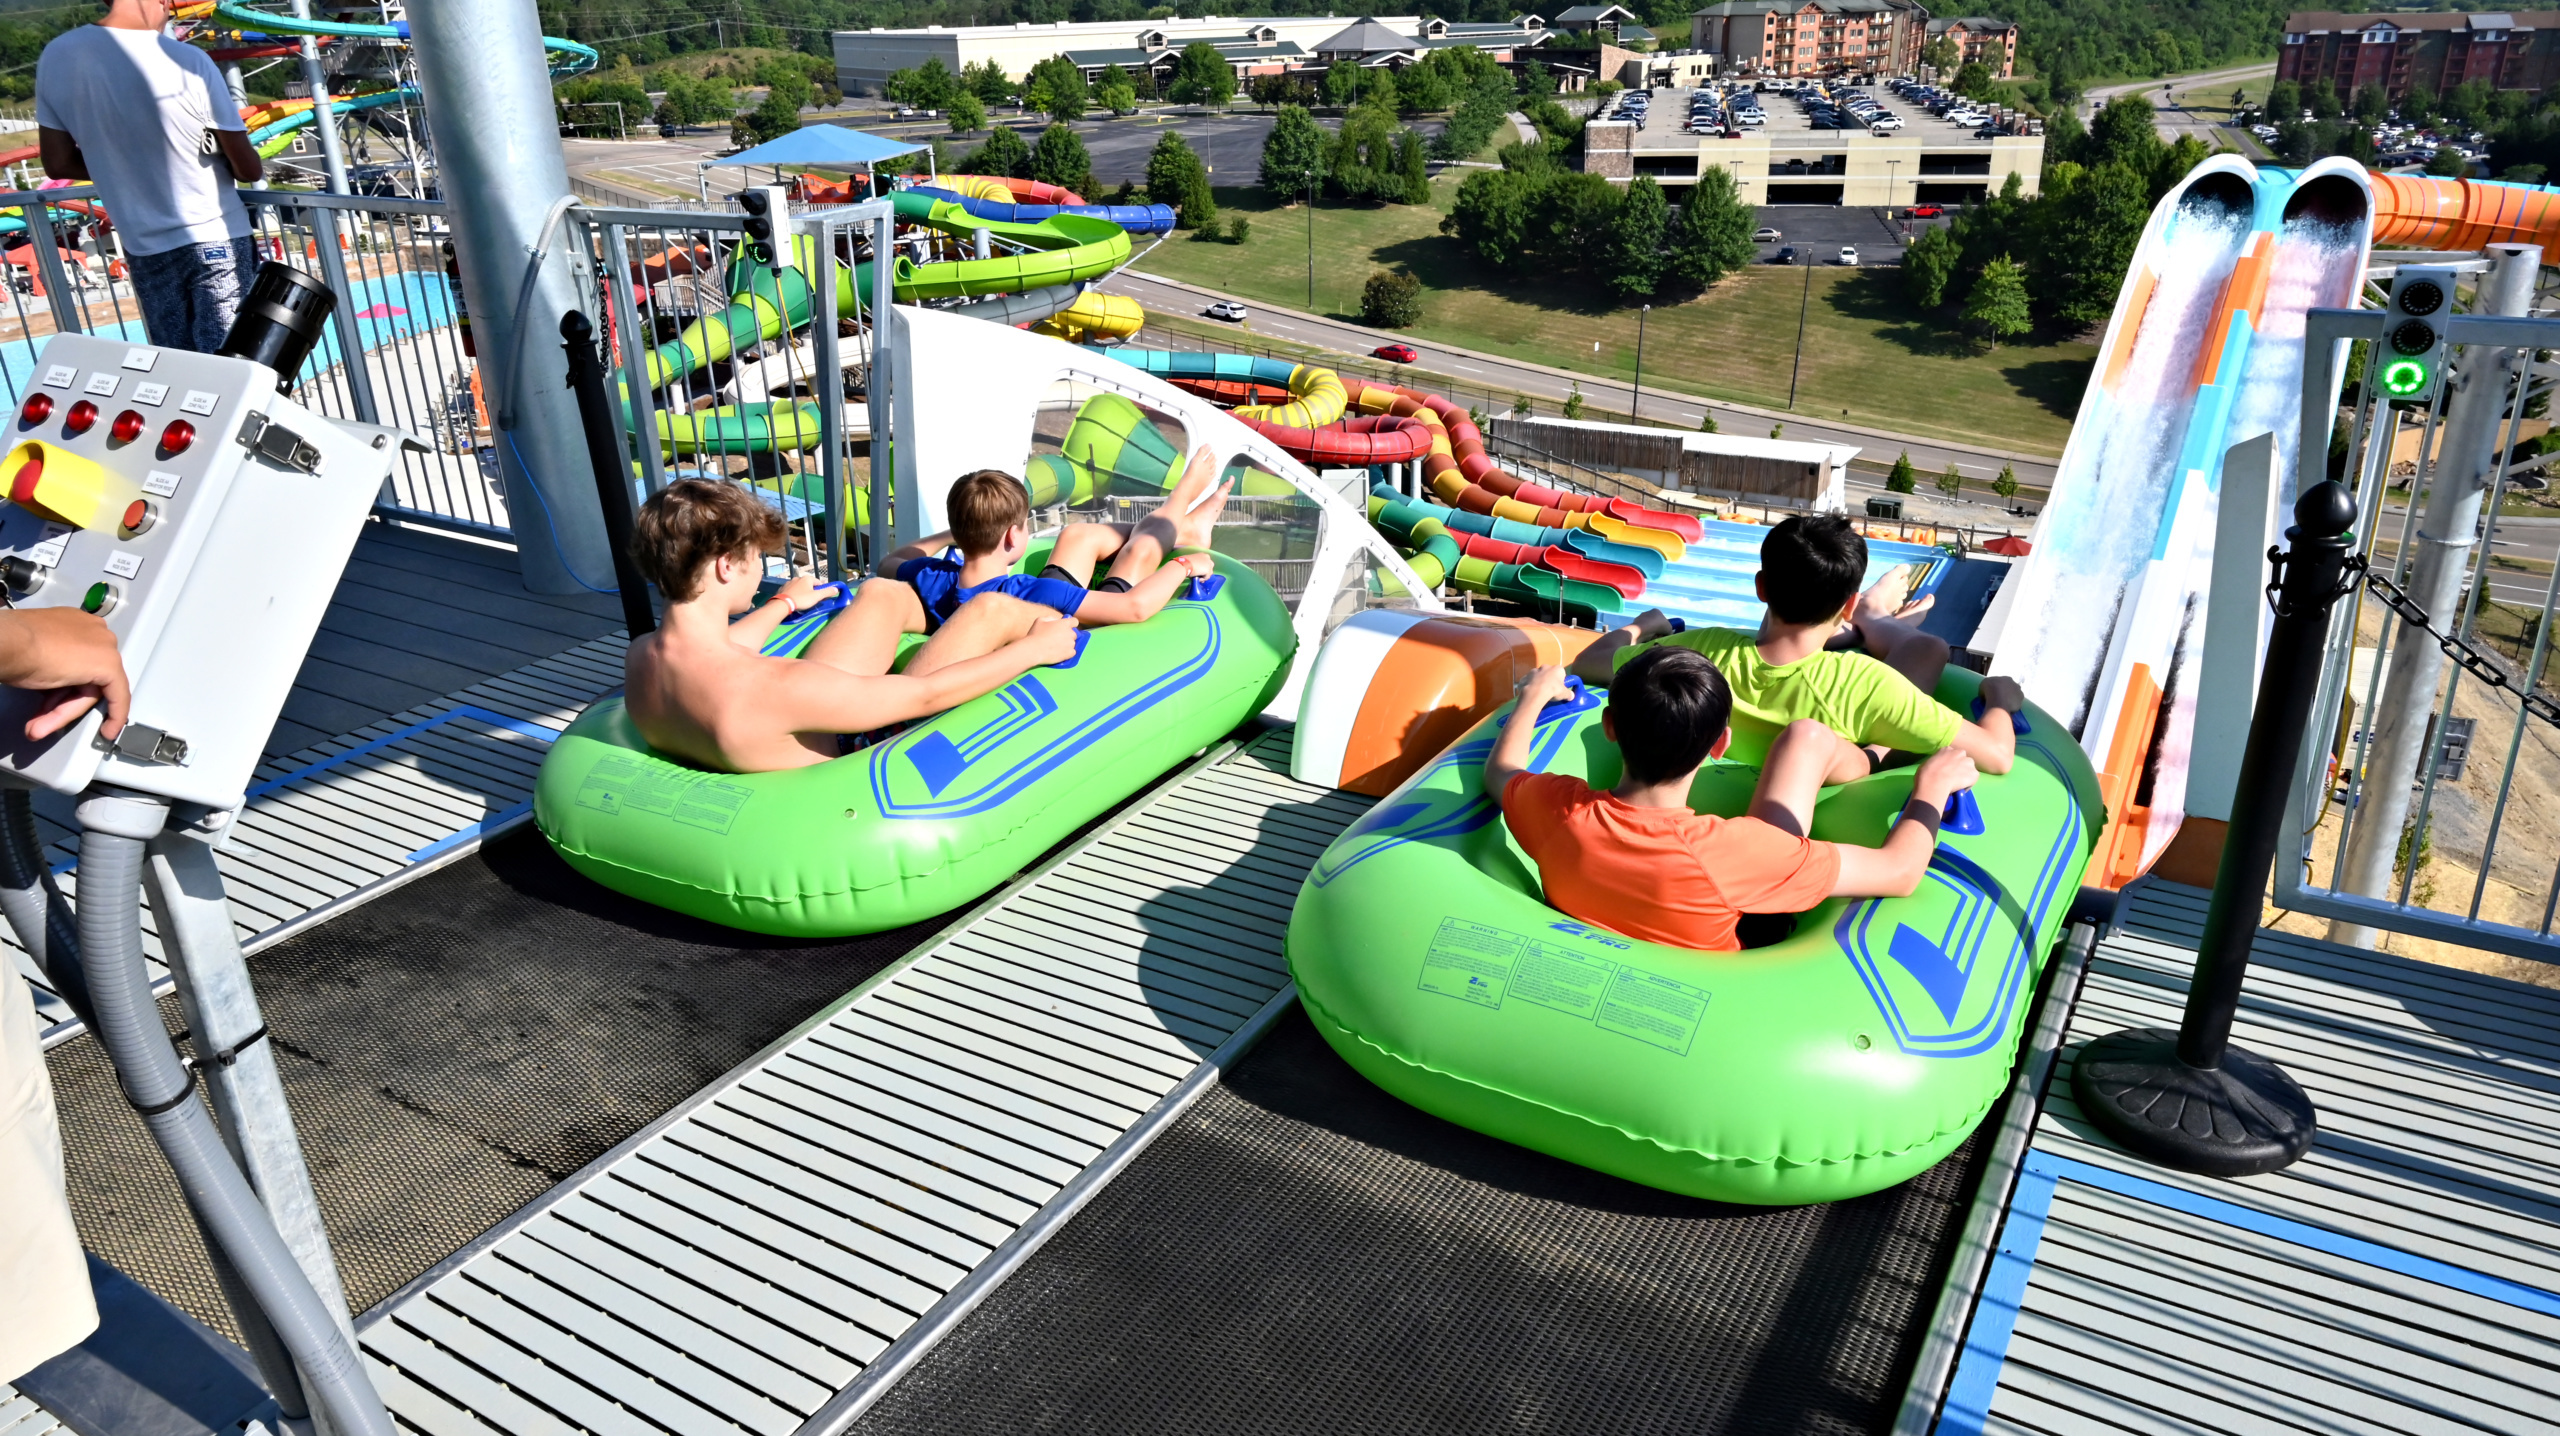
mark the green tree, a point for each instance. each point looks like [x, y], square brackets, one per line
[1943, 55]
[1520, 408]
[1004, 154]
[1056, 88]
[2081, 237]
[1203, 77]
[1391, 301]
[1490, 216]
[2370, 103]
[2006, 484]
[2448, 161]
[2418, 104]
[928, 86]
[987, 80]
[1636, 238]
[1713, 238]
[1950, 482]
[1413, 167]
[1534, 80]
[1176, 177]
[1928, 262]
[1060, 159]
[1777, 431]
[1708, 425]
[968, 113]
[1973, 80]
[1239, 227]
[1362, 165]
[776, 116]
[2125, 132]
[1997, 307]
[1342, 82]
[2320, 97]
[2284, 101]
[1573, 402]
[1292, 154]
[1116, 92]
[1904, 478]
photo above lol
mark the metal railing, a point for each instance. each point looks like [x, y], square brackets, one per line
[2476, 862]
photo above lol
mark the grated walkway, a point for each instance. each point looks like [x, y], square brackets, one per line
[21, 1416]
[770, 1254]
[2405, 1277]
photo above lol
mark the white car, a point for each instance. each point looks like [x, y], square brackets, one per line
[1765, 235]
[1227, 309]
[1849, 255]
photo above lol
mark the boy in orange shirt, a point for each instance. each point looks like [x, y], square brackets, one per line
[1637, 861]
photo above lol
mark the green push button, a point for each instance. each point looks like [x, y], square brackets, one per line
[95, 600]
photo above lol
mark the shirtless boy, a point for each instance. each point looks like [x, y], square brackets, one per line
[700, 691]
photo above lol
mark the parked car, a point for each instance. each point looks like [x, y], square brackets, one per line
[1765, 235]
[1927, 211]
[1227, 309]
[1849, 255]
[1400, 353]
[1784, 256]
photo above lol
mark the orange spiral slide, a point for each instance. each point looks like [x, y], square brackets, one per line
[2425, 212]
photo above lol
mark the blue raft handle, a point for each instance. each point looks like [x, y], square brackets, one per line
[2017, 720]
[1679, 625]
[1083, 637]
[1575, 699]
[1205, 586]
[1963, 816]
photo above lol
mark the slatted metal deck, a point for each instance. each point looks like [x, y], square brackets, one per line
[21, 1416]
[770, 1252]
[2405, 1277]
[450, 682]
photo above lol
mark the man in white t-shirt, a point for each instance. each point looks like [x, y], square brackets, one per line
[151, 122]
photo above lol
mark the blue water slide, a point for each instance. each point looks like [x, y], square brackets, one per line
[1135, 218]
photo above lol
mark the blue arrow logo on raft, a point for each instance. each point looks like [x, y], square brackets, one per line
[938, 760]
[1412, 815]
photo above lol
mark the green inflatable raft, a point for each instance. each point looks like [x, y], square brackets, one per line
[940, 814]
[1851, 1055]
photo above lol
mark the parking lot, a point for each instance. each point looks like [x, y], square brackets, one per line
[1819, 230]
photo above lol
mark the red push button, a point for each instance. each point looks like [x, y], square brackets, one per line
[137, 517]
[37, 409]
[175, 438]
[127, 427]
[82, 418]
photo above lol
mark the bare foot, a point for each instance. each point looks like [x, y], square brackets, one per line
[1891, 598]
[1196, 478]
[1196, 528]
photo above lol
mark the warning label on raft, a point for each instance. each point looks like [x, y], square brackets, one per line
[697, 799]
[1486, 965]
[1470, 961]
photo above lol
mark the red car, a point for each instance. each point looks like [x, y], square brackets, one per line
[1400, 353]
[1926, 211]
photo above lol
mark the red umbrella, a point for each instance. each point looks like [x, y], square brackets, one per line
[2008, 546]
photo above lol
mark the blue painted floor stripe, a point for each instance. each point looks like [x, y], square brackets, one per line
[1995, 1316]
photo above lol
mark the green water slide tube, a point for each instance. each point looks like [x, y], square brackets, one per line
[1848, 1056]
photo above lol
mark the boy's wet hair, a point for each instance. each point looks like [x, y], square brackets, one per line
[690, 522]
[1669, 705]
[1812, 565]
[982, 506]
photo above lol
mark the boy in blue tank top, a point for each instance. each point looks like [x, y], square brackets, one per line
[991, 529]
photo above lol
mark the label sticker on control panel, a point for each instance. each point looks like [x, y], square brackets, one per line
[141, 359]
[151, 394]
[59, 376]
[124, 563]
[49, 552]
[199, 401]
[103, 384]
[160, 483]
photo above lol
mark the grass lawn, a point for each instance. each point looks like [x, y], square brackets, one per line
[1869, 356]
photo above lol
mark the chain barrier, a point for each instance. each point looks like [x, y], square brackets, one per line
[2480, 663]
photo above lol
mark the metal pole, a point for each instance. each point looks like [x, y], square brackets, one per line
[325, 236]
[1311, 241]
[1803, 309]
[2190, 1099]
[333, 153]
[639, 396]
[488, 101]
[876, 366]
[2468, 458]
[612, 470]
[828, 380]
[1635, 405]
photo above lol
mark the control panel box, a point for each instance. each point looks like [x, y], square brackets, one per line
[207, 519]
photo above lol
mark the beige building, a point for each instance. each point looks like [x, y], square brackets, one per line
[1981, 40]
[1922, 165]
[865, 59]
[1811, 37]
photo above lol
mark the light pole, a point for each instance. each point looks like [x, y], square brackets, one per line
[1311, 239]
[1801, 311]
[1892, 180]
[1635, 406]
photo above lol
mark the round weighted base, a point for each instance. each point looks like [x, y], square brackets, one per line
[2238, 1120]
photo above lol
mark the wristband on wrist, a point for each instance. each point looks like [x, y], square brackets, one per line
[1925, 814]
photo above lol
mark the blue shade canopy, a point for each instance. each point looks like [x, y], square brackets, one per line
[823, 145]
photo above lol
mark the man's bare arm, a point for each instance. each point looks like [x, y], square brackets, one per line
[1148, 598]
[1992, 742]
[1595, 664]
[815, 698]
[241, 156]
[61, 154]
[925, 547]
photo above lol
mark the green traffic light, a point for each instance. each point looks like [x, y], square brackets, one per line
[2403, 377]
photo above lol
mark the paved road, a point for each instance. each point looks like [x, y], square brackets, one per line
[2176, 120]
[2535, 540]
[1503, 377]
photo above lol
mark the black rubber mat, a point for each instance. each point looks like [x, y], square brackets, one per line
[1303, 1253]
[451, 1050]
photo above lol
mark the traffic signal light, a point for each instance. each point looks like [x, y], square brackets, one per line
[768, 211]
[2410, 363]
